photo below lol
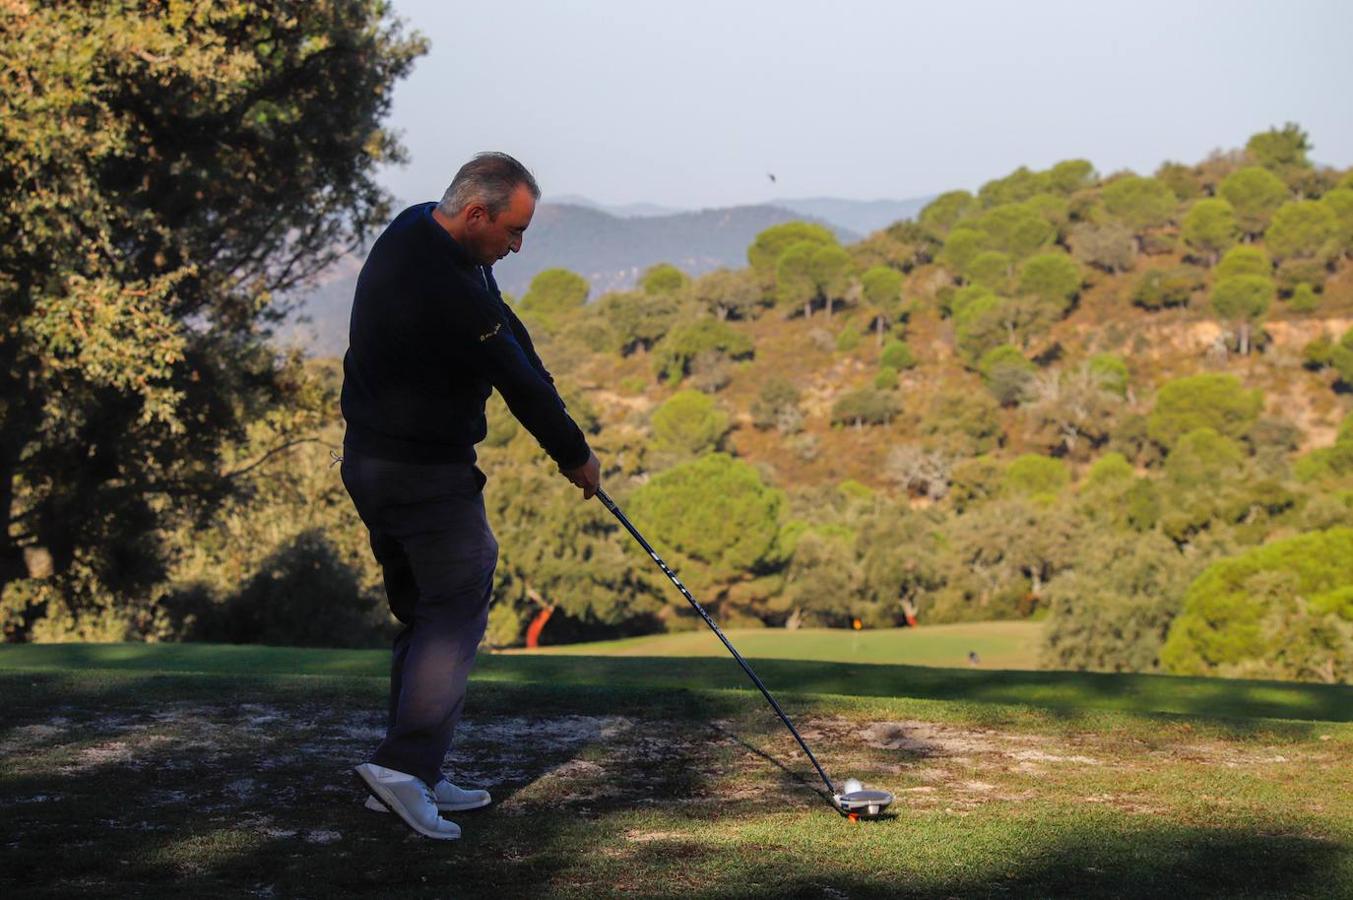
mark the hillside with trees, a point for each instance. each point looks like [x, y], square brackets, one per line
[1118, 403]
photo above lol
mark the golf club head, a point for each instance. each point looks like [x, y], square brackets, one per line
[863, 804]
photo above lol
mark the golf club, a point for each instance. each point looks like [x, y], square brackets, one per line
[853, 801]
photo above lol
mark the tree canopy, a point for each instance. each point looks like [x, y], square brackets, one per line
[166, 179]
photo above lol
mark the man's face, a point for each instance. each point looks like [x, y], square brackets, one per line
[491, 238]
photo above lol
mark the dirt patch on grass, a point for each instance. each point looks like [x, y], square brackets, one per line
[242, 763]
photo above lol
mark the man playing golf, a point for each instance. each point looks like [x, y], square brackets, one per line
[430, 338]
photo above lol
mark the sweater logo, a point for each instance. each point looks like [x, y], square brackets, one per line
[496, 329]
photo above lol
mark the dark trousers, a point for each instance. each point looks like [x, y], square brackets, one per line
[437, 554]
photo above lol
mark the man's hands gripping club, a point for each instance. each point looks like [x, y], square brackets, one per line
[587, 476]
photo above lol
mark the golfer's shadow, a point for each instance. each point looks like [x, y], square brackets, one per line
[797, 777]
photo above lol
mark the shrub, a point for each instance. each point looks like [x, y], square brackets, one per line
[848, 339]
[864, 406]
[675, 352]
[1161, 288]
[1006, 373]
[1213, 401]
[1035, 475]
[1282, 610]
[689, 423]
[897, 355]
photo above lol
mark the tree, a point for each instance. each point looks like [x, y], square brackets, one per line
[663, 278]
[1053, 278]
[766, 249]
[1243, 260]
[962, 423]
[1255, 193]
[899, 550]
[1006, 373]
[808, 273]
[673, 355]
[1032, 475]
[990, 269]
[778, 406]
[1006, 551]
[1111, 611]
[552, 295]
[1110, 246]
[1340, 202]
[918, 471]
[1243, 299]
[1279, 150]
[945, 211]
[719, 518]
[689, 424]
[166, 179]
[1140, 203]
[1210, 228]
[883, 292]
[897, 355]
[1111, 372]
[561, 560]
[1303, 228]
[1183, 181]
[1071, 175]
[1019, 185]
[864, 406]
[1073, 411]
[829, 267]
[1213, 401]
[1282, 610]
[822, 585]
[728, 294]
[1016, 229]
[1161, 288]
[636, 320]
[962, 244]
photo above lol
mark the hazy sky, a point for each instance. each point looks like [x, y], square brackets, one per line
[691, 103]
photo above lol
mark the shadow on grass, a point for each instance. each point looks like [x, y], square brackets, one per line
[172, 820]
[1055, 691]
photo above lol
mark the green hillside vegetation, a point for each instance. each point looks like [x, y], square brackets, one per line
[1070, 396]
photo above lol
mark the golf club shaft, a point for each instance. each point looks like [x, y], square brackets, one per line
[615, 510]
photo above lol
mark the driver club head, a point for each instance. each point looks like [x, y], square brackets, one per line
[862, 804]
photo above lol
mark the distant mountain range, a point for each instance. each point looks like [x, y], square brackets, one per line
[611, 246]
[863, 216]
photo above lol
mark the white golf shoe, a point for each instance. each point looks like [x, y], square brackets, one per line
[409, 798]
[447, 796]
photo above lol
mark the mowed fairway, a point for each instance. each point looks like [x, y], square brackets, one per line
[202, 771]
[998, 645]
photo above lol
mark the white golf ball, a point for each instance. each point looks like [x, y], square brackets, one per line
[851, 786]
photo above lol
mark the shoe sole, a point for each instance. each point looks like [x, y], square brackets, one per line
[374, 804]
[387, 800]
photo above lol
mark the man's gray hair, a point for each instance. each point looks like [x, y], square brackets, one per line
[490, 179]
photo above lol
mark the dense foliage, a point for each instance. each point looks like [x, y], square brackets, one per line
[1117, 403]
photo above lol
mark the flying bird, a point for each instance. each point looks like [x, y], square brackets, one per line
[771, 176]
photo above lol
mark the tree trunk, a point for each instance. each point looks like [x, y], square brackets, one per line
[537, 625]
[909, 611]
[878, 329]
[808, 309]
[1244, 339]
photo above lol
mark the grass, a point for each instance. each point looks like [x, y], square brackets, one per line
[998, 645]
[171, 770]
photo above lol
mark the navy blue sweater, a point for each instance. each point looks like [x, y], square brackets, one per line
[429, 338]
